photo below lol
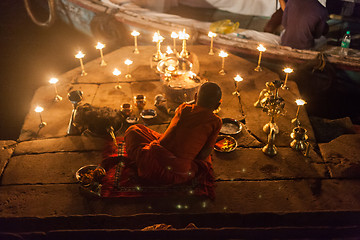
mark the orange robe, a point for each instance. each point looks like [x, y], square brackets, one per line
[171, 158]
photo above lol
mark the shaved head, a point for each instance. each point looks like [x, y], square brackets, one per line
[209, 95]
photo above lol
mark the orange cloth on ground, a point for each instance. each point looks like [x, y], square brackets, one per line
[170, 158]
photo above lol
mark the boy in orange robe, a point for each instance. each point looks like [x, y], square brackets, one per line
[178, 155]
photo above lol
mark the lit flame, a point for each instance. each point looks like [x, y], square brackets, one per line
[116, 72]
[79, 55]
[128, 62]
[174, 35]
[183, 35]
[212, 34]
[53, 80]
[99, 46]
[169, 51]
[39, 109]
[157, 37]
[300, 102]
[238, 78]
[288, 70]
[223, 54]
[171, 68]
[135, 33]
[192, 74]
[261, 48]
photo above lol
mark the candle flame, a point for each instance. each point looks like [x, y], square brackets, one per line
[174, 35]
[223, 54]
[183, 35]
[171, 68]
[169, 51]
[192, 74]
[300, 102]
[99, 46]
[128, 62]
[135, 33]
[212, 34]
[261, 48]
[79, 55]
[157, 37]
[39, 109]
[53, 80]
[238, 78]
[288, 70]
[116, 72]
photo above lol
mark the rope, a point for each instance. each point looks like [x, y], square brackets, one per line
[51, 19]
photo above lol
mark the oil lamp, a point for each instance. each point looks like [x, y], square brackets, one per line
[74, 97]
[237, 79]
[184, 36]
[39, 110]
[174, 36]
[53, 81]
[299, 103]
[117, 73]
[100, 47]
[211, 36]
[135, 34]
[80, 56]
[128, 62]
[287, 71]
[261, 49]
[223, 55]
[158, 39]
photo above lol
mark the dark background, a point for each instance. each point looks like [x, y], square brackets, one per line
[30, 55]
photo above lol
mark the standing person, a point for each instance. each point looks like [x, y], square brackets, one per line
[304, 21]
[176, 156]
[275, 21]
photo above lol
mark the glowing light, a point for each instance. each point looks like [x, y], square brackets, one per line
[261, 48]
[171, 68]
[157, 37]
[238, 78]
[116, 72]
[174, 35]
[212, 34]
[79, 55]
[169, 51]
[300, 102]
[288, 70]
[135, 33]
[223, 54]
[39, 109]
[53, 80]
[183, 35]
[128, 62]
[99, 46]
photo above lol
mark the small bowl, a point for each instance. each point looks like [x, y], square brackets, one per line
[132, 120]
[225, 143]
[89, 169]
[148, 114]
[230, 126]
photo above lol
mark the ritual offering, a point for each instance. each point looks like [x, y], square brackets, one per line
[39, 110]
[287, 72]
[126, 109]
[100, 47]
[140, 101]
[98, 120]
[261, 49]
[223, 55]
[128, 62]
[174, 36]
[90, 177]
[225, 143]
[230, 126]
[299, 103]
[148, 114]
[158, 39]
[80, 56]
[135, 34]
[53, 81]
[184, 36]
[211, 36]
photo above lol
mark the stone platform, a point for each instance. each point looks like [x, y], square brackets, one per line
[38, 184]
